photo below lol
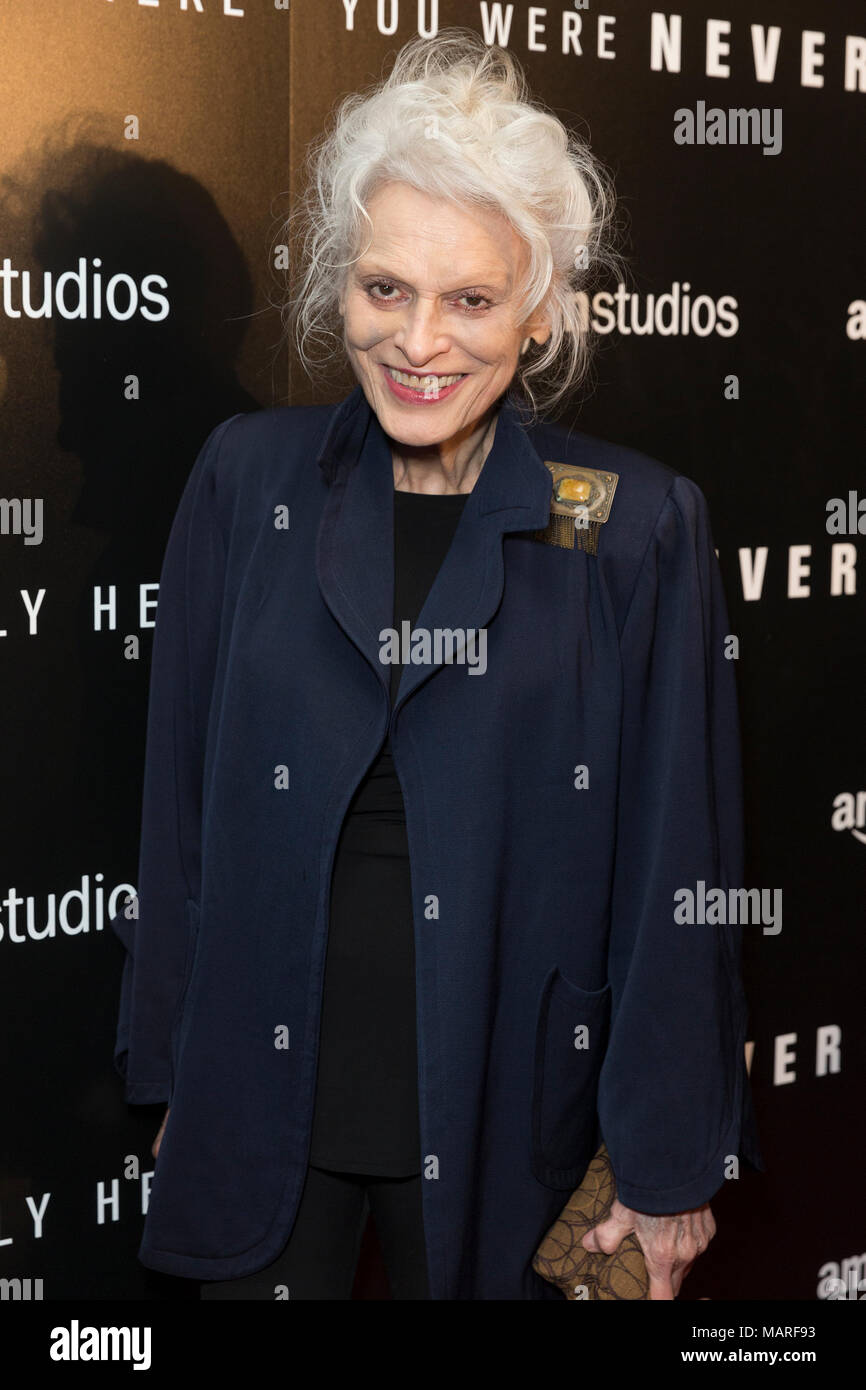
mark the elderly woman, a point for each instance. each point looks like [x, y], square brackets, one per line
[440, 722]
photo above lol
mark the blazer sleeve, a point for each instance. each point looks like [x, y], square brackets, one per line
[674, 1098]
[156, 926]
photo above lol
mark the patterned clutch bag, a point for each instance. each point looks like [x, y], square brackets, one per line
[585, 1274]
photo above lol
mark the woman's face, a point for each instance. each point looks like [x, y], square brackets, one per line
[434, 296]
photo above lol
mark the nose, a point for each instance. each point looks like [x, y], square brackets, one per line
[420, 335]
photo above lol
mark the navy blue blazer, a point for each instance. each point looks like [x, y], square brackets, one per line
[558, 1000]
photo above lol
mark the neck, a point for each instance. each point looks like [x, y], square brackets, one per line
[450, 467]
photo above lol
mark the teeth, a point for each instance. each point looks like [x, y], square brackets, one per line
[420, 383]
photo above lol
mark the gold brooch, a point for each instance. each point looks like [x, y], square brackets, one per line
[580, 503]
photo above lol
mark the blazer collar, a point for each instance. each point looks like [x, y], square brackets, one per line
[354, 557]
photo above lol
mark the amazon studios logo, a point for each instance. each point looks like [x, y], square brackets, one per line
[849, 813]
[81, 294]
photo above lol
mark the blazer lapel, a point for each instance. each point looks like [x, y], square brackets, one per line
[355, 553]
[355, 545]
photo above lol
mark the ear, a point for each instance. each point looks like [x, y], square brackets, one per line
[537, 329]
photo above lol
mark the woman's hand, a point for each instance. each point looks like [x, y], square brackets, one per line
[154, 1149]
[670, 1244]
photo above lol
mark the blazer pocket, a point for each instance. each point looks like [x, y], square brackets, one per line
[570, 1043]
[192, 916]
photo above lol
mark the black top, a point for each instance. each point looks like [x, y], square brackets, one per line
[366, 1110]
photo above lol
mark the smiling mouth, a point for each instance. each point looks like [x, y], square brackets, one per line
[420, 383]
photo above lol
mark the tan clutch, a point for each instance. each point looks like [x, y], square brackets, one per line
[585, 1274]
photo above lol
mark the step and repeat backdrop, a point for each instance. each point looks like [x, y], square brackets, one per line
[151, 152]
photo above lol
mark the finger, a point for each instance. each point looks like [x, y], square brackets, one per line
[607, 1236]
[660, 1286]
[691, 1247]
[699, 1239]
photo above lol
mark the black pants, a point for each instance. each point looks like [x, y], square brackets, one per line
[321, 1255]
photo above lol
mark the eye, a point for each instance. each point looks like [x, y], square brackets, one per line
[386, 292]
[483, 303]
[380, 285]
